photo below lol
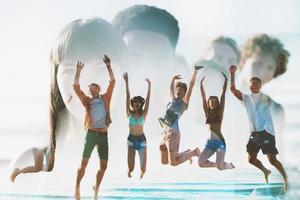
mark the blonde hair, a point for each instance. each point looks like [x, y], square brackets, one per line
[265, 44]
[84, 40]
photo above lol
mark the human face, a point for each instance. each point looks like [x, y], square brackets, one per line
[136, 105]
[222, 54]
[93, 72]
[259, 65]
[179, 92]
[213, 103]
[254, 85]
[94, 90]
[151, 56]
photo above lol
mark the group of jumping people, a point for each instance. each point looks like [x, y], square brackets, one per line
[97, 121]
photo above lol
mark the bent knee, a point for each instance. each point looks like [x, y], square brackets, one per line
[173, 161]
[273, 161]
[251, 160]
[164, 162]
[201, 164]
[103, 167]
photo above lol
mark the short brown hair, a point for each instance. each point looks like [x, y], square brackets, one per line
[266, 44]
[182, 85]
[96, 85]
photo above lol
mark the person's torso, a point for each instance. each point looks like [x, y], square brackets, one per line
[215, 129]
[177, 106]
[97, 113]
[136, 124]
[260, 113]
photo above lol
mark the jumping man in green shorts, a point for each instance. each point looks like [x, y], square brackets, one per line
[97, 120]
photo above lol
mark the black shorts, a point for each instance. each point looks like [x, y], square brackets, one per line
[262, 140]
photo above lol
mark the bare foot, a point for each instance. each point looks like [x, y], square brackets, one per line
[95, 193]
[142, 175]
[14, 174]
[77, 193]
[229, 165]
[286, 185]
[232, 166]
[129, 174]
[267, 174]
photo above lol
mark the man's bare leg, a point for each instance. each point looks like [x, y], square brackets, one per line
[276, 163]
[254, 161]
[80, 174]
[99, 177]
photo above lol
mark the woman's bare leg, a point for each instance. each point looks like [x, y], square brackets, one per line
[143, 160]
[130, 160]
[221, 165]
[186, 151]
[178, 158]
[38, 155]
[203, 159]
[164, 154]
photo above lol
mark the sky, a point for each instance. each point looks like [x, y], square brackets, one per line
[29, 28]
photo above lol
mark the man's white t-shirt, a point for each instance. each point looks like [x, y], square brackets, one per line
[259, 113]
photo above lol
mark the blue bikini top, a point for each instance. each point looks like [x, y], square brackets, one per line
[136, 122]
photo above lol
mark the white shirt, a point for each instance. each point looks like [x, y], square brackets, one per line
[259, 113]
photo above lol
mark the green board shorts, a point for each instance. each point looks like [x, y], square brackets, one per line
[93, 139]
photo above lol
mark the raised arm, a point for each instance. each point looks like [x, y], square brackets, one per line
[235, 91]
[222, 102]
[177, 77]
[125, 76]
[76, 86]
[112, 80]
[187, 96]
[203, 95]
[147, 103]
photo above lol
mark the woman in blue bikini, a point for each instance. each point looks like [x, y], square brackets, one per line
[136, 113]
[214, 115]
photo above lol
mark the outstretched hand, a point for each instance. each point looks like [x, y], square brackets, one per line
[177, 77]
[125, 76]
[225, 77]
[232, 69]
[106, 60]
[148, 81]
[196, 67]
[79, 66]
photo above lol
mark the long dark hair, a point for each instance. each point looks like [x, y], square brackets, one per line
[213, 115]
[139, 99]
